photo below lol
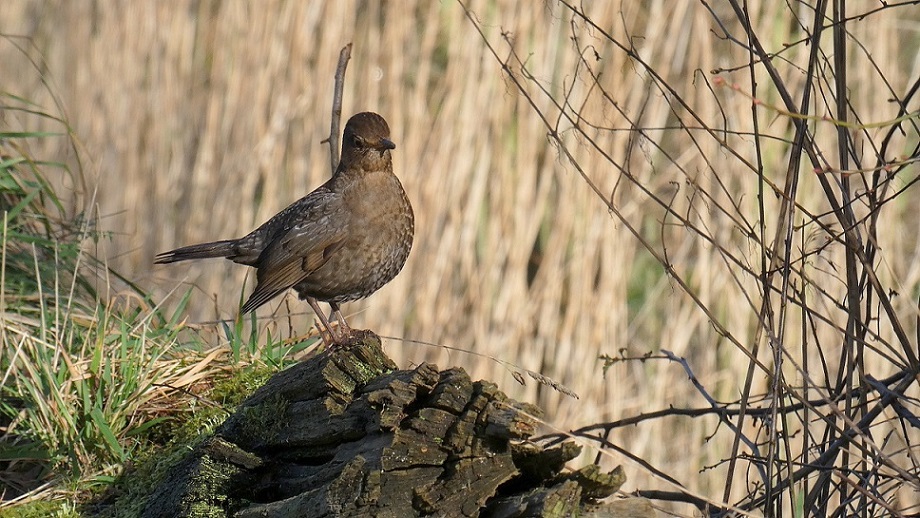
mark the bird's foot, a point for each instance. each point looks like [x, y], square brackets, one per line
[335, 335]
[341, 337]
[353, 338]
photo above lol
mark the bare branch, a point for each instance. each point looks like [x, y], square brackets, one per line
[336, 121]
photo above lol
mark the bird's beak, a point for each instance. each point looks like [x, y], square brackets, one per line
[386, 143]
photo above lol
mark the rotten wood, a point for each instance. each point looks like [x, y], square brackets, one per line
[346, 433]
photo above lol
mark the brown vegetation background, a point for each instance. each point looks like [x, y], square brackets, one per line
[199, 120]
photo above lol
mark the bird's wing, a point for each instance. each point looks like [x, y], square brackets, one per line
[302, 245]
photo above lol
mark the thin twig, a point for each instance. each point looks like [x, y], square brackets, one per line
[516, 370]
[336, 123]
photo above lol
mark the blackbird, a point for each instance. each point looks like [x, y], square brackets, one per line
[339, 243]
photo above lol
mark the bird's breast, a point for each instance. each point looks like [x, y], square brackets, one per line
[380, 231]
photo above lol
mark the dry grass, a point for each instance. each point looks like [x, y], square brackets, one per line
[202, 119]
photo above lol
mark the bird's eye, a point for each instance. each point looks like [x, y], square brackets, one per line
[356, 140]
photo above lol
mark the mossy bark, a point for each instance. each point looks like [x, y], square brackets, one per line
[348, 434]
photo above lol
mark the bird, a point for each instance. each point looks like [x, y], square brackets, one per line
[339, 243]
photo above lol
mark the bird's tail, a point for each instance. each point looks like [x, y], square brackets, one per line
[225, 248]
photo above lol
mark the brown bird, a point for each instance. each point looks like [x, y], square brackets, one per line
[341, 242]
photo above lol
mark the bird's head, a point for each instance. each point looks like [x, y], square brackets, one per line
[366, 142]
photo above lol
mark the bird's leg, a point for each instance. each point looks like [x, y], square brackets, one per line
[327, 329]
[346, 330]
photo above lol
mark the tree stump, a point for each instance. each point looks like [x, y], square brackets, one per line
[348, 434]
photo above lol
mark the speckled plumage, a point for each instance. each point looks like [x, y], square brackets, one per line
[341, 242]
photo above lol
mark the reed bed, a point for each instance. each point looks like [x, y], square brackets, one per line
[202, 119]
